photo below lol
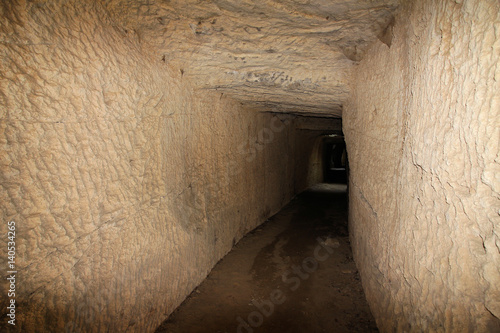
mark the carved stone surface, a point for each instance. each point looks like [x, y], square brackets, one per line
[422, 129]
[281, 56]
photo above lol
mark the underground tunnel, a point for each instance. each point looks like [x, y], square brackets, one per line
[145, 143]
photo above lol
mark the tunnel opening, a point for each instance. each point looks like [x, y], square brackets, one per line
[141, 140]
[334, 159]
[284, 274]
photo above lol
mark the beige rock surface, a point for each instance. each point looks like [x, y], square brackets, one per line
[285, 56]
[126, 184]
[422, 129]
[133, 153]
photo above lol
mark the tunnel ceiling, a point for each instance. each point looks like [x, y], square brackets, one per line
[291, 56]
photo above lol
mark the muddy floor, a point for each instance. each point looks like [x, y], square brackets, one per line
[295, 273]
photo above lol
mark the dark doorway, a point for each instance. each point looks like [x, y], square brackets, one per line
[334, 160]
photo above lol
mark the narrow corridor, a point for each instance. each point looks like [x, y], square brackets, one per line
[295, 273]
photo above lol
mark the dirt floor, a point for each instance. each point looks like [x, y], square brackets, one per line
[295, 273]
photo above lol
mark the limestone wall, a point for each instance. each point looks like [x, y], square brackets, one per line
[126, 184]
[422, 133]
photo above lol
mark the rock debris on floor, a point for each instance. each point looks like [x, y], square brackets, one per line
[294, 273]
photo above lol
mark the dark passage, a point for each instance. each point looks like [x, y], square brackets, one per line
[334, 160]
[295, 273]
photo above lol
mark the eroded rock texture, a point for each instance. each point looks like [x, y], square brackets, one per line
[126, 184]
[134, 155]
[285, 56]
[422, 129]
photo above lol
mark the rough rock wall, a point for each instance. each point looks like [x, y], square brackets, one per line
[422, 131]
[126, 185]
[285, 56]
[315, 171]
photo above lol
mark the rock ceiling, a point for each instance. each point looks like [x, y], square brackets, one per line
[282, 56]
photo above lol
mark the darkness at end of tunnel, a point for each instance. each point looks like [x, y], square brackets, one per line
[334, 160]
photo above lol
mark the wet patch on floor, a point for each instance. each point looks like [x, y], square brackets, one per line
[295, 273]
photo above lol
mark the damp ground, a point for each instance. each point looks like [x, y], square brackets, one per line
[295, 273]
